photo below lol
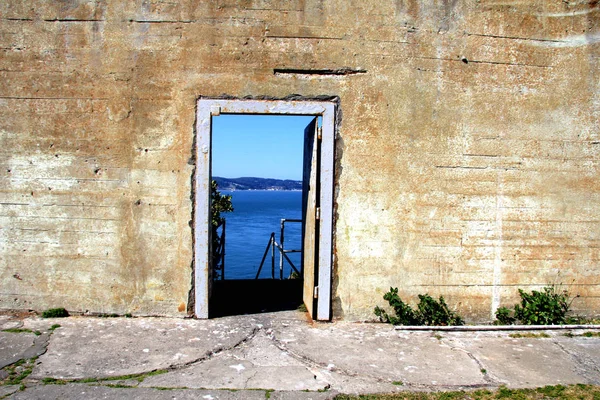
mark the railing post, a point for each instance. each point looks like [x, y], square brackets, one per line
[223, 252]
[281, 251]
[273, 255]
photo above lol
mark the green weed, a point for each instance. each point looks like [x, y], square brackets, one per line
[55, 313]
[529, 335]
[579, 391]
[120, 386]
[139, 377]
[113, 315]
[429, 311]
[547, 307]
[504, 317]
[22, 330]
[53, 381]
[18, 371]
[591, 334]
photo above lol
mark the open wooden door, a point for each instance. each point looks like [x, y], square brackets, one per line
[310, 208]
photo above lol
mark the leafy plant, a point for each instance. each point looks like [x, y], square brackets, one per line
[504, 317]
[219, 203]
[404, 313]
[429, 311]
[543, 308]
[547, 307]
[434, 313]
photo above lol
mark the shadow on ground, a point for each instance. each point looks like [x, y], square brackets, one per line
[238, 297]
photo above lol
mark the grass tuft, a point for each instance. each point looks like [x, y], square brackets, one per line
[579, 391]
[55, 313]
[529, 335]
[53, 381]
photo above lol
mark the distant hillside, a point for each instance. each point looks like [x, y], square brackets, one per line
[249, 183]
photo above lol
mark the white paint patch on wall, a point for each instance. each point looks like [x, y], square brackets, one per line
[566, 14]
[43, 169]
[569, 41]
[498, 247]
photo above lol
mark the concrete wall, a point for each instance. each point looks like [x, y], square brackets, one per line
[467, 158]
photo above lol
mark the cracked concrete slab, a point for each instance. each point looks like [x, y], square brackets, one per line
[286, 354]
[519, 362]
[257, 363]
[358, 385]
[586, 352]
[13, 346]
[107, 347]
[8, 322]
[92, 392]
[377, 351]
[6, 390]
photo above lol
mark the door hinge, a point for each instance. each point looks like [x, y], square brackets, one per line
[316, 292]
[318, 213]
[319, 133]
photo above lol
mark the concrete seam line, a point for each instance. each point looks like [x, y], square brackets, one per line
[210, 354]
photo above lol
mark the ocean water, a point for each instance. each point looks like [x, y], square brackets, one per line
[256, 214]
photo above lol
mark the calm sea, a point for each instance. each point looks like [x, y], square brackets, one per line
[256, 214]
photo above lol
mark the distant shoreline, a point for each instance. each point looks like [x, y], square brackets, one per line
[259, 190]
[253, 183]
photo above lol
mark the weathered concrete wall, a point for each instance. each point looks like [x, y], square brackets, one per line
[469, 143]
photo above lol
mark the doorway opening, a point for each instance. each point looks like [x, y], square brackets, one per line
[257, 167]
[303, 251]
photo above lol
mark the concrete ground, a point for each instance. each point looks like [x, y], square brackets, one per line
[278, 355]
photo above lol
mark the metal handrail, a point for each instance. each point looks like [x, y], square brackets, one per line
[272, 244]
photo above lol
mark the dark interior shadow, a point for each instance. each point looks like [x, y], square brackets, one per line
[237, 297]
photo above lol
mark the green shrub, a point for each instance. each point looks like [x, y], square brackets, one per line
[547, 307]
[504, 317]
[429, 311]
[435, 313]
[55, 313]
[404, 313]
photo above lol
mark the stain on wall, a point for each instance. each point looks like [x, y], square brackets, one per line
[467, 157]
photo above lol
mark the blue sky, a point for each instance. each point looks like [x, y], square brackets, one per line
[264, 146]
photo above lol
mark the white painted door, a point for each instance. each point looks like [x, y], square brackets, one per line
[310, 227]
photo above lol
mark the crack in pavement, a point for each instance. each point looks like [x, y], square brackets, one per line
[140, 376]
[583, 364]
[306, 360]
[487, 375]
[37, 348]
[247, 383]
[210, 354]
[310, 363]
